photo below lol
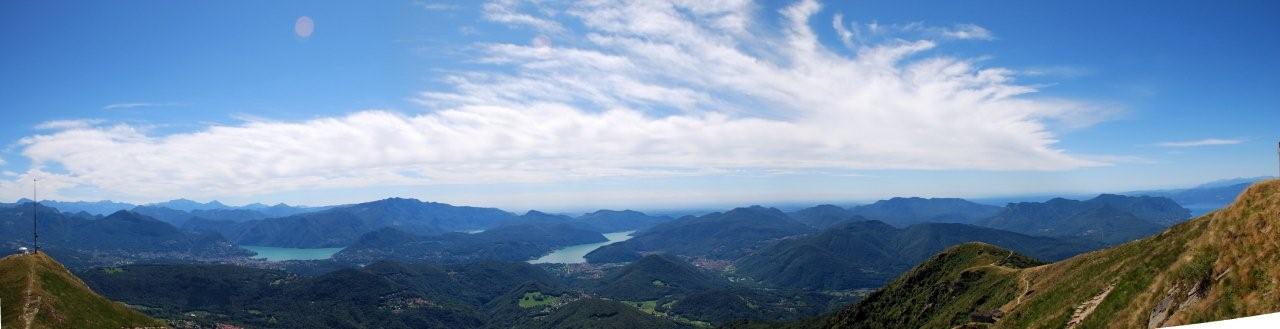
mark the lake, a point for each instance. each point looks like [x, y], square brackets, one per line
[574, 254]
[281, 254]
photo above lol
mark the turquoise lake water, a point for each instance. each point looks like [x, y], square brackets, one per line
[280, 254]
[574, 254]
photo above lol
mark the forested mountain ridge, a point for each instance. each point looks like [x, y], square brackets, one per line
[515, 242]
[123, 234]
[1107, 218]
[870, 253]
[342, 226]
[727, 235]
[904, 212]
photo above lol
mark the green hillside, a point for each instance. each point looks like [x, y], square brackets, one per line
[1220, 266]
[601, 314]
[656, 276]
[868, 254]
[38, 292]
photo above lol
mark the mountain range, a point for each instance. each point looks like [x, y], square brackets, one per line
[514, 242]
[342, 226]
[866, 254]
[726, 235]
[1107, 218]
[899, 212]
[1219, 266]
[745, 267]
[121, 233]
[1208, 196]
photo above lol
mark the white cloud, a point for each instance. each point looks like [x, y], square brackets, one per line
[967, 32]
[121, 106]
[67, 124]
[436, 6]
[1202, 142]
[1057, 72]
[855, 34]
[21, 185]
[508, 12]
[646, 88]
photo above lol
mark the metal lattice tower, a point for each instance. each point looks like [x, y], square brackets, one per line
[35, 234]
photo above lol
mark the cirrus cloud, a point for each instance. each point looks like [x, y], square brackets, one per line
[1201, 142]
[634, 89]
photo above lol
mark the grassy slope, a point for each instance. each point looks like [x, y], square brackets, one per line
[940, 293]
[1223, 265]
[65, 301]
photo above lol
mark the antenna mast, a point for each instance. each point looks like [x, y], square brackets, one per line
[35, 235]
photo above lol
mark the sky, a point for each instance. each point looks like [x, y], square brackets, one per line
[647, 104]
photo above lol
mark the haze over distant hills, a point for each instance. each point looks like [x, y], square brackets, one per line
[1108, 218]
[122, 234]
[902, 212]
[107, 207]
[1208, 196]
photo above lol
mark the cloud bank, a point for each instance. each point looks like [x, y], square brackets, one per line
[1202, 142]
[619, 89]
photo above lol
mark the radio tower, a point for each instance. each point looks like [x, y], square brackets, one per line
[35, 235]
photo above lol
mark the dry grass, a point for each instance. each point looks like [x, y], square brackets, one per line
[1220, 266]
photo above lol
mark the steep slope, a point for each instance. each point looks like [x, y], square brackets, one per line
[868, 254]
[40, 293]
[1222, 265]
[907, 211]
[1107, 218]
[726, 235]
[940, 293]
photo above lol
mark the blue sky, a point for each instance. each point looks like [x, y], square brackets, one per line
[556, 105]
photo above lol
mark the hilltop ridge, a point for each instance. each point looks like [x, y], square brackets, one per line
[41, 293]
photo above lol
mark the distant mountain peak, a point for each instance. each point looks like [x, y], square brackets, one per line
[755, 209]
